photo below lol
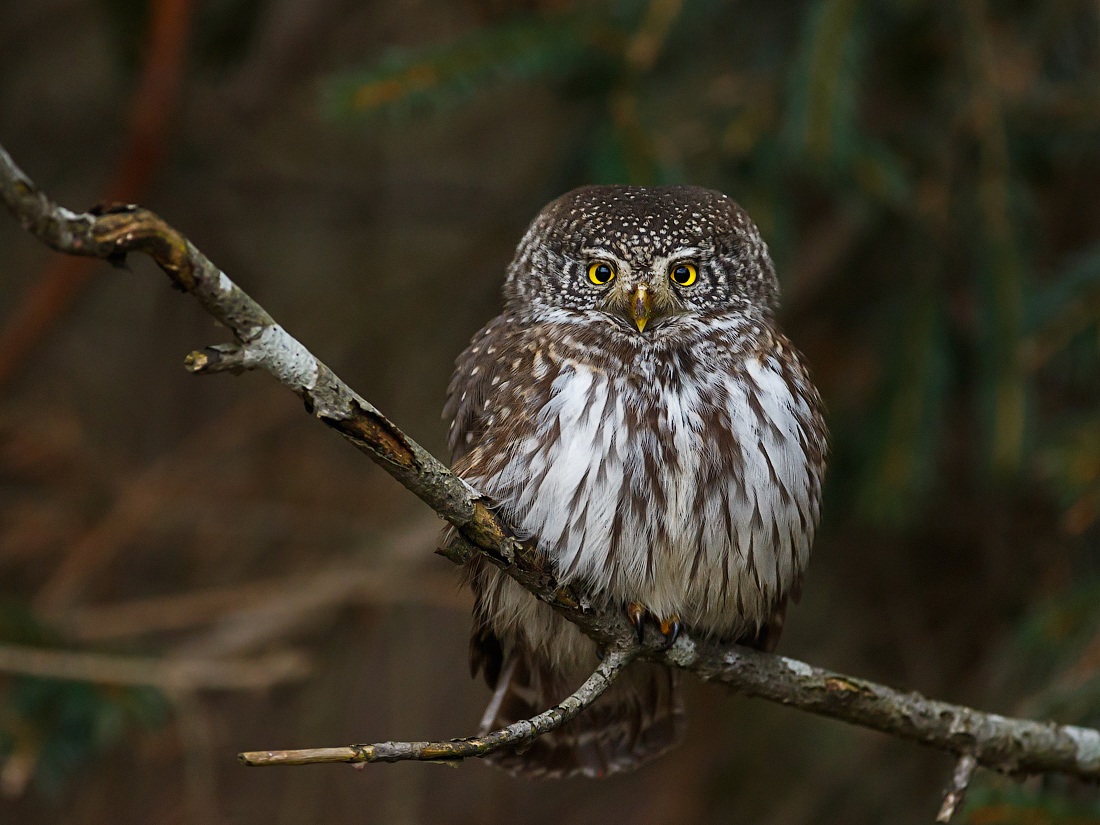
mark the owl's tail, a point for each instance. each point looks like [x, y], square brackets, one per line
[638, 718]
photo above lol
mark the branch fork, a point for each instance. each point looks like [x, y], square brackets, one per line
[516, 735]
[222, 358]
[956, 791]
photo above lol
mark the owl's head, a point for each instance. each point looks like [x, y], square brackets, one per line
[643, 255]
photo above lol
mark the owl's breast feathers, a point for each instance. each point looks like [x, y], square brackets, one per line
[681, 470]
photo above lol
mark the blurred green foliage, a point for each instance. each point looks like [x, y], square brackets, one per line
[55, 726]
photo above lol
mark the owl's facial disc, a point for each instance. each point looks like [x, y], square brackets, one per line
[626, 294]
[637, 292]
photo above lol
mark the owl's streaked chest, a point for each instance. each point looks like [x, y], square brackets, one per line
[688, 489]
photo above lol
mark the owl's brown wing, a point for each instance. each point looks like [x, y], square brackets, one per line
[468, 396]
[473, 402]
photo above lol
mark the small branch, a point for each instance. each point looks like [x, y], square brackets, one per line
[1013, 746]
[518, 733]
[956, 791]
[167, 674]
[221, 358]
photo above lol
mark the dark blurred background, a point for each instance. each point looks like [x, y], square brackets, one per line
[926, 173]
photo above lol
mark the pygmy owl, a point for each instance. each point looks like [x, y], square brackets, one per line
[637, 412]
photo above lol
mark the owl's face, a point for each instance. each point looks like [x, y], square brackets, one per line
[643, 256]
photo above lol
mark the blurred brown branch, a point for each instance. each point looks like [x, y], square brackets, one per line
[1014, 746]
[253, 627]
[140, 498]
[373, 585]
[151, 112]
[641, 53]
[171, 674]
[196, 737]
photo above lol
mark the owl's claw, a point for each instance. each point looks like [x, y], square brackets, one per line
[636, 613]
[670, 627]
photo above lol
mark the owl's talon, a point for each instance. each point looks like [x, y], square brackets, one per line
[670, 629]
[636, 614]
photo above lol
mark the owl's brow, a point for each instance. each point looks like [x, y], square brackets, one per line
[600, 252]
[668, 261]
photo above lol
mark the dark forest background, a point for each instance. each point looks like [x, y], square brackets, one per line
[927, 175]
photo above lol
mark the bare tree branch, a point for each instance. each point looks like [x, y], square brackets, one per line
[518, 733]
[1009, 745]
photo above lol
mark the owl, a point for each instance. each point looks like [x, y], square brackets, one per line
[636, 412]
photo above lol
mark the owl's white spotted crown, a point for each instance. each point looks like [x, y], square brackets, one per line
[641, 229]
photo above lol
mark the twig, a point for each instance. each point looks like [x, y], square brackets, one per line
[956, 791]
[220, 358]
[167, 674]
[1012, 746]
[518, 733]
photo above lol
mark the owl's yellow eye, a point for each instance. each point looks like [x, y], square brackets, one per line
[600, 273]
[683, 274]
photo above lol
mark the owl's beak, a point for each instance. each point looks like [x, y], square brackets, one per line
[641, 305]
